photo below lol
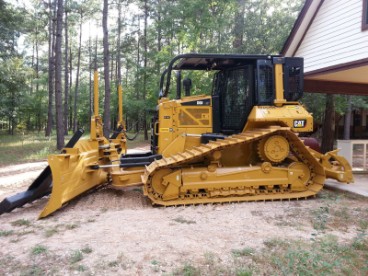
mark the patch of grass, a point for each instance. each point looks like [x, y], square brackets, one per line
[34, 270]
[50, 232]
[330, 196]
[86, 249]
[340, 218]
[363, 225]
[360, 242]
[39, 249]
[246, 251]
[19, 148]
[324, 256]
[320, 218]
[21, 222]
[273, 243]
[342, 213]
[243, 272]
[71, 226]
[154, 262]
[187, 270]
[76, 256]
[6, 233]
[81, 268]
[113, 264]
[183, 220]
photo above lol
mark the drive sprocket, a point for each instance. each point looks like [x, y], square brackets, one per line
[273, 148]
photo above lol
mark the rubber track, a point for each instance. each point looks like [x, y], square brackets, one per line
[180, 159]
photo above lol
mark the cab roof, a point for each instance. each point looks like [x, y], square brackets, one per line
[212, 61]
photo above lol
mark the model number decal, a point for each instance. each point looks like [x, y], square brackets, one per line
[299, 123]
[166, 117]
[202, 102]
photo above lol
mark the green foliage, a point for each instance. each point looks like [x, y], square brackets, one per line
[247, 251]
[326, 256]
[51, 231]
[5, 233]
[21, 222]
[316, 104]
[87, 249]
[244, 272]
[320, 218]
[187, 270]
[39, 249]
[13, 75]
[11, 26]
[76, 256]
[33, 270]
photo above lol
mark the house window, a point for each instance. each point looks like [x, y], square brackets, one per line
[365, 15]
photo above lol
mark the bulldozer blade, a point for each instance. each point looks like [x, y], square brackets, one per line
[40, 187]
[72, 174]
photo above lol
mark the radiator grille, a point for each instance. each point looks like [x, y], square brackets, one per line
[194, 117]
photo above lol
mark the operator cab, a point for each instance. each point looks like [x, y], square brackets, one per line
[240, 82]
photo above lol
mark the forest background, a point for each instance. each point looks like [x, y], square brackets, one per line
[49, 50]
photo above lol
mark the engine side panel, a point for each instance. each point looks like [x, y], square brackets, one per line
[189, 117]
[294, 116]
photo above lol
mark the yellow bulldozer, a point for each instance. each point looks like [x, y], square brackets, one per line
[241, 143]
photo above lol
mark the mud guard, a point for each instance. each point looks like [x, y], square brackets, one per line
[41, 187]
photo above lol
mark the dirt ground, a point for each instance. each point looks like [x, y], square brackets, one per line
[118, 232]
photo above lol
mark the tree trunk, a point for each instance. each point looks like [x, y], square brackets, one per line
[90, 76]
[118, 53]
[106, 116]
[37, 63]
[66, 77]
[32, 63]
[70, 111]
[138, 61]
[239, 26]
[145, 69]
[51, 72]
[12, 113]
[58, 88]
[112, 68]
[347, 119]
[328, 130]
[76, 93]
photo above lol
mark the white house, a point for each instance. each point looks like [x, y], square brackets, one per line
[332, 36]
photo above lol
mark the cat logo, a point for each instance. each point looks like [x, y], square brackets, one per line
[299, 123]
